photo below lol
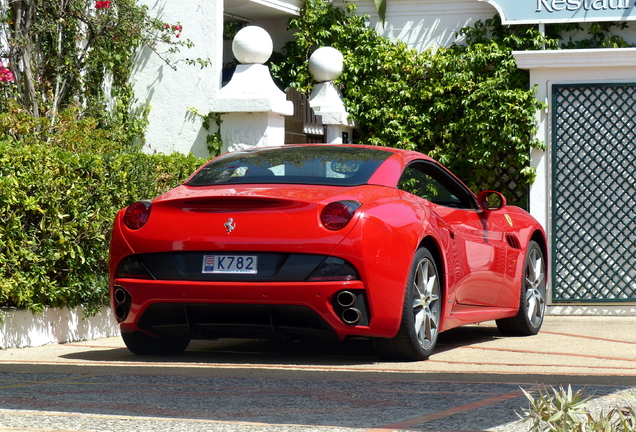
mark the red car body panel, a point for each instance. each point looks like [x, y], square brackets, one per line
[481, 253]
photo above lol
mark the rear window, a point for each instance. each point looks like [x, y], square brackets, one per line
[319, 165]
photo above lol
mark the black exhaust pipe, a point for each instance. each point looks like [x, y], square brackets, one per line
[346, 298]
[351, 316]
[120, 312]
[123, 300]
[120, 295]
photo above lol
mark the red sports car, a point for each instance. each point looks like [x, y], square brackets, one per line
[325, 241]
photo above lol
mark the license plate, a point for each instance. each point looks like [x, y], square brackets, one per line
[246, 264]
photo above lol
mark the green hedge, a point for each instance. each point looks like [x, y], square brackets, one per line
[56, 211]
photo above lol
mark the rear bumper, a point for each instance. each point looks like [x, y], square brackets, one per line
[210, 310]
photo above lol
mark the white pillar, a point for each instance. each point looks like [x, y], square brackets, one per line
[325, 65]
[252, 107]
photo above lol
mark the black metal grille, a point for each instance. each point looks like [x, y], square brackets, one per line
[594, 193]
[304, 127]
[509, 180]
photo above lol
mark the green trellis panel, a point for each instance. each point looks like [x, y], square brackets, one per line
[594, 193]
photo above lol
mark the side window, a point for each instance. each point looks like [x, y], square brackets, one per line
[434, 184]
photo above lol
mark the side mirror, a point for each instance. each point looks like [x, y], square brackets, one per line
[491, 200]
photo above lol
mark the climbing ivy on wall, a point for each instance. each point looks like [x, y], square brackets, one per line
[589, 35]
[466, 105]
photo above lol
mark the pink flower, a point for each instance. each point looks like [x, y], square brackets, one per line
[6, 75]
[178, 35]
[177, 27]
[102, 4]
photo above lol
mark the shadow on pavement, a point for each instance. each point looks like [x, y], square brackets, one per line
[299, 353]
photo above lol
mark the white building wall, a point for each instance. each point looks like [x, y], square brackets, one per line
[170, 93]
[425, 24]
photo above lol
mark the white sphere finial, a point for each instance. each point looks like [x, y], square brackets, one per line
[252, 45]
[326, 64]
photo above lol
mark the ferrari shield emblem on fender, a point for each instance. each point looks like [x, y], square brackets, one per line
[508, 218]
[229, 225]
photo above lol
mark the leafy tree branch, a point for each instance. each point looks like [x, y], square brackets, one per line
[80, 52]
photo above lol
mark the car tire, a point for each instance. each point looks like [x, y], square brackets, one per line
[421, 315]
[144, 344]
[532, 304]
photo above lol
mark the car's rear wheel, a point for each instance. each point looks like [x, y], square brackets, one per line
[144, 344]
[529, 319]
[421, 315]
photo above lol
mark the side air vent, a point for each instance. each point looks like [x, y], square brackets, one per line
[513, 241]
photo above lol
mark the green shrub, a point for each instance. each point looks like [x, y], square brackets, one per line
[68, 132]
[57, 207]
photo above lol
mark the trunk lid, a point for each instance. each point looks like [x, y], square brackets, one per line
[213, 218]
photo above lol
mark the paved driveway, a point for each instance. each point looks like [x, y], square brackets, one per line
[472, 383]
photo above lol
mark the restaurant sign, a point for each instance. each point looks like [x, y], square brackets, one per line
[559, 11]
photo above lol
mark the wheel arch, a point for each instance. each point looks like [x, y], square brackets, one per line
[430, 243]
[533, 294]
[409, 344]
[433, 247]
[539, 237]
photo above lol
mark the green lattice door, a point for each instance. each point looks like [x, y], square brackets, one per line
[594, 193]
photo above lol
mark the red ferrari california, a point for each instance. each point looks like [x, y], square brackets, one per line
[324, 241]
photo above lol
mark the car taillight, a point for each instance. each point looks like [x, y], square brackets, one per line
[137, 214]
[337, 215]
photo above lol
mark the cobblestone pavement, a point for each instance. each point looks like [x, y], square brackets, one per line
[472, 383]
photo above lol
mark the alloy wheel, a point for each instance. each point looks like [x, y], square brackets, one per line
[426, 304]
[534, 282]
